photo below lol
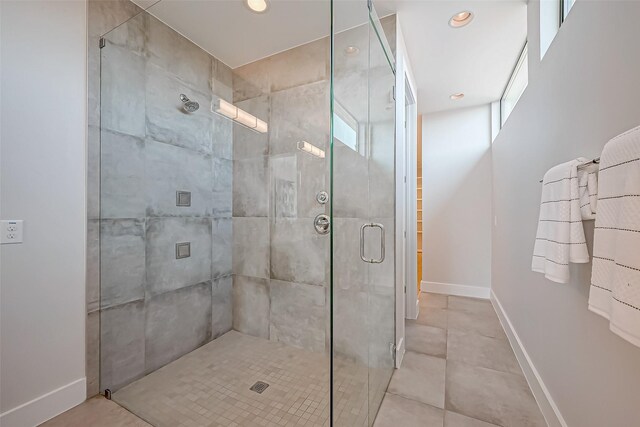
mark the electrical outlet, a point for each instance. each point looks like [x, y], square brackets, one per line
[11, 231]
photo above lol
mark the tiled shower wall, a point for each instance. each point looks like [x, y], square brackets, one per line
[280, 279]
[153, 307]
[156, 308]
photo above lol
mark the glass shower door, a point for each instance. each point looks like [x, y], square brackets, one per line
[363, 214]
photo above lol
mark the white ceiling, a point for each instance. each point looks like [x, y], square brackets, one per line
[237, 36]
[476, 59]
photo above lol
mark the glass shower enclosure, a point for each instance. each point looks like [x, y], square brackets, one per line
[247, 212]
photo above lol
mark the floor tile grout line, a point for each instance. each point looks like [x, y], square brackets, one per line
[416, 401]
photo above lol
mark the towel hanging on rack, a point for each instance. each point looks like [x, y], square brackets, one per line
[588, 188]
[615, 277]
[560, 237]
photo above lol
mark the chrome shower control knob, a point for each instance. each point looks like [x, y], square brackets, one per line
[322, 197]
[322, 223]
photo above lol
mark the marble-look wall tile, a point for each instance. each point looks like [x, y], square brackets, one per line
[351, 325]
[122, 341]
[351, 183]
[251, 187]
[313, 177]
[349, 271]
[176, 54]
[299, 114]
[102, 17]
[297, 315]
[251, 247]
[221, 306]
[93, 265]
[381, 325]
[298, 252]
[170, 169]
[122, 177]
[122, 252]
[296, 180]
[105, 15]
[123, 99]
[382, 170]
[131, 34]
[283, 172]
[251, 80]
[92, 347]
[222, 137]
[294, 67]
[221, 80]
[251, 306]
[246, 142]
[222, 247]
[150, 149]
[166, 119]
[164, 271]
[301, 65]
[177, 322]
[222, 204]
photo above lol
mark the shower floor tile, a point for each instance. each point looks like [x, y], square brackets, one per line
[211, 387]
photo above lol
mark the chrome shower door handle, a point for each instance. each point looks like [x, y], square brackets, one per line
[382, 243]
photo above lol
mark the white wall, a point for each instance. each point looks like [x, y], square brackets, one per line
[42, 162]
[585, 91]
[406, 138]
[456, 154]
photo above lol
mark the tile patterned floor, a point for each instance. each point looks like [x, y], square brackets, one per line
[96, 412]
[459, 371]
[210, 387]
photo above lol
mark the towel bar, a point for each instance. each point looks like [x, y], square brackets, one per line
[596, 161]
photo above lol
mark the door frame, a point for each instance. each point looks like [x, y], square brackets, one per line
[411, 243]
[405, 241]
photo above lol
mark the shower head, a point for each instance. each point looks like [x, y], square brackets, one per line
[189, 106]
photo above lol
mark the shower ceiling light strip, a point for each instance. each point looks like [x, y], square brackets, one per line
[311, 149]
[234, 113]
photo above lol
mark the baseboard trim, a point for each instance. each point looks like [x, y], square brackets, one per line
[458, 290]
[413, 308]
[47, 406]
[547, 405]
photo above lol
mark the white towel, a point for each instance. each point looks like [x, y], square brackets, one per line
[615, 278]
[560, 237]
[588, 188]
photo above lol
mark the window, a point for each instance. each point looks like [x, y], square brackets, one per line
[517, 84]
[566, 7]
[552, 15]
[345, 127]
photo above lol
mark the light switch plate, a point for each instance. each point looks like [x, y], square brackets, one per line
[11, 231]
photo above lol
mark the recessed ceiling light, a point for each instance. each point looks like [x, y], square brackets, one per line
[351, 50]
[461, 19]
[258, 6]
[457, 96]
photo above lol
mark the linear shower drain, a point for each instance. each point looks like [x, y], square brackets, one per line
[259, 387]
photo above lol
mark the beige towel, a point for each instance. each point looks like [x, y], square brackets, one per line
[560, 238]
[615, 278]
